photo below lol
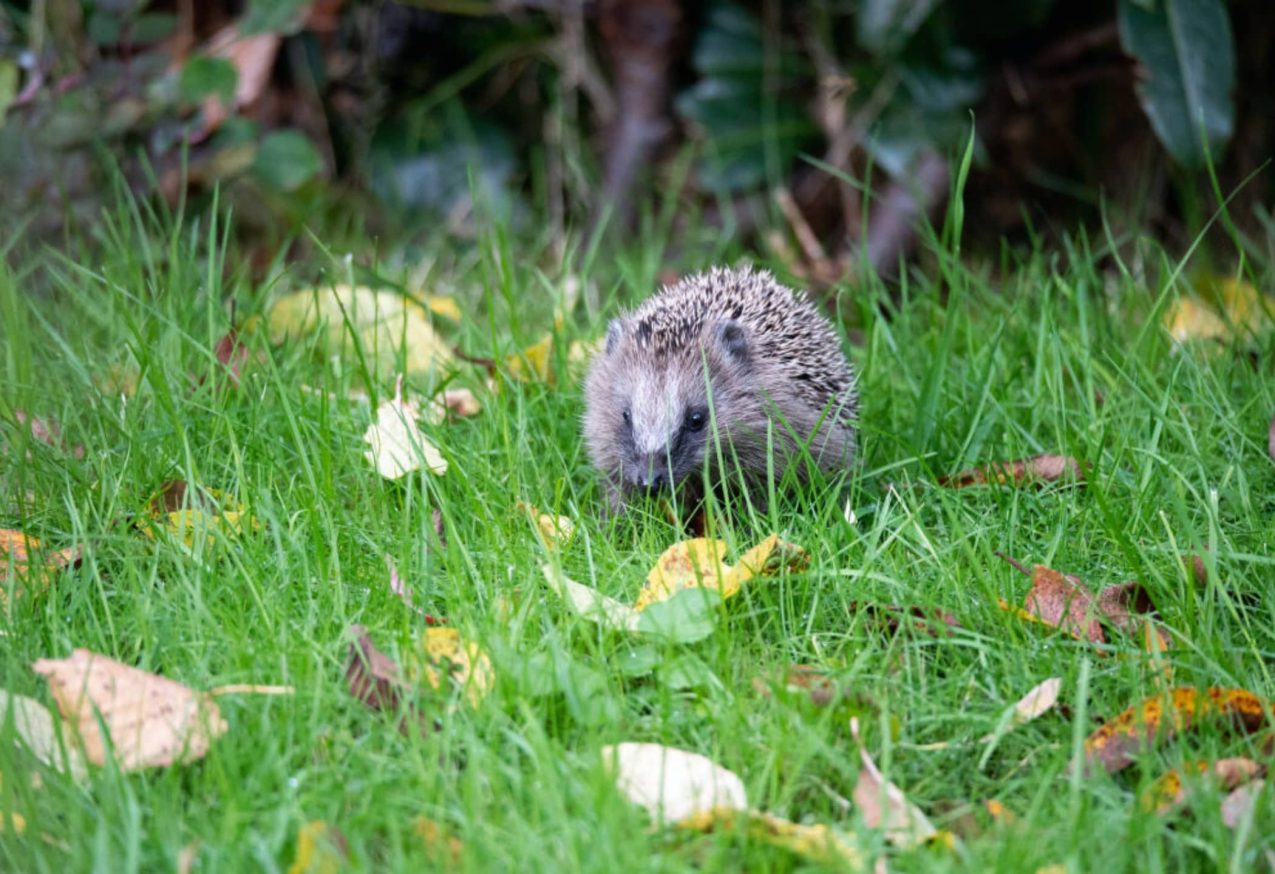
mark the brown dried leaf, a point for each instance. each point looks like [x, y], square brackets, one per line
[371, 676]
[1170, 791]
[1022, 471]
[436, 517]
[232, 354]
[149, 720]
[1115, 744]
[1062, 601]
[253, 58]
[810, 679]
[1120, 602]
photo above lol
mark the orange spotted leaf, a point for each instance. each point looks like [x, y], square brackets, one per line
[1114, 745]
[1170, 790]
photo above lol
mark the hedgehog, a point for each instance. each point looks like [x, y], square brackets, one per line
[725, 369]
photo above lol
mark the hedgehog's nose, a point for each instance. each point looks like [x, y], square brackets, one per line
[652, 481]
[650, 477]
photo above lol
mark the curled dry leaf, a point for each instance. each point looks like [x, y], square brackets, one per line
[673, 785]
[1171, 791]
[446, 657]
[1022, 471]
[1123, 603]
[555, 532]
[148, 720]
[375, 680]
[397, 445]
[1038, 701]
[883, 804]
[1114, 745]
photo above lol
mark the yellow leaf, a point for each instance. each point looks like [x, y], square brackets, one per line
[447, 657]
[1236, 310]
[698, 563]
[388, 327]
[535, 363]
[817, 843]
[555, 532]
[319, 850]
[397, 444]
[444, 305]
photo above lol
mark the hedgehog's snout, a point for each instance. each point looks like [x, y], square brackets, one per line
[650, 473]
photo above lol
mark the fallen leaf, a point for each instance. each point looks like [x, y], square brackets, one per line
[192, 514]
[555, 532]
[817, 843]
[436, 518]
[397, 587]
[697, 563]
[43, 734]
[1022, 471]
[374, 679]
[232, 354]
[438, 842]
[388, 327]
[810, 679]
[1169, 791]
[444, 305]
[446, 657]
[253, 58]
[591, 604]
[999, 812]
[1115, 744]
[1038, 701]
[321, 849]
[23, 559]
[1121, 602]
[883, 804]
[534, 363]
[456, 403]
[1238, 804]
[148, 720]
[673, 785]
[1062, 601]
[397, 445]
[1234, 310]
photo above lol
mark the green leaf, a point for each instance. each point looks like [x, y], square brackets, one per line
[688, 616]
[1186, 55]
[286, 160]
[204, 77]
[274, 16]
[8, 86]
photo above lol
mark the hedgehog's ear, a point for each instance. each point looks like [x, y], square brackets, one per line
[615, 333]
[733, 340]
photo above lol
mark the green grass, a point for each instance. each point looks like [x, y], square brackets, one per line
[1059, 352]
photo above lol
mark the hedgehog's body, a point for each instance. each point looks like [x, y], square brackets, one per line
[728, 353]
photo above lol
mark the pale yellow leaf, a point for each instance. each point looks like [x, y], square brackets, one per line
[398, 446]
[685, 565]
[444, 305]
[555, 532]
[673, 785]
[149, 720]
[386, 324]
[591, 604]
[43, 734]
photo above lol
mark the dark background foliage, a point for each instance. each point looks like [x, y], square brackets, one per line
[822, 133]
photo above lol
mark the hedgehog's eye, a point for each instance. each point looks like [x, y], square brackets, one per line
[627, 416]
[696, 420]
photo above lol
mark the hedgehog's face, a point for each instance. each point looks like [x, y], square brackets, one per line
[651, 418]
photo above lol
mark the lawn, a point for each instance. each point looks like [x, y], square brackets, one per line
[1046, 352]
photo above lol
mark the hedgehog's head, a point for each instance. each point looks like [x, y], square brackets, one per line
[657, 394]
